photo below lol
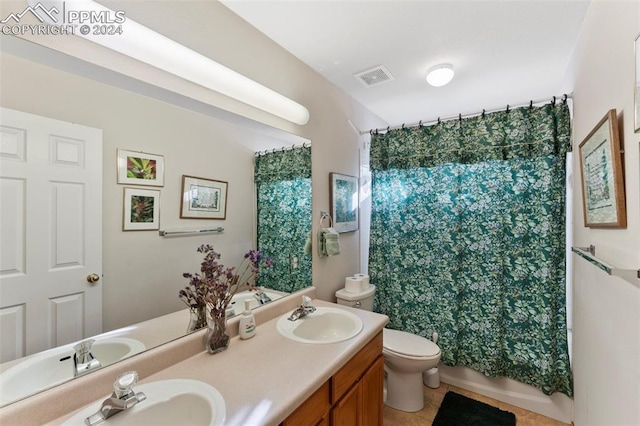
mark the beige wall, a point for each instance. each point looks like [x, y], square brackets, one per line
[606, 323]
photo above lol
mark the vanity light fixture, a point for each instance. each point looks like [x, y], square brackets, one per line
[150, 47]
[440, 75]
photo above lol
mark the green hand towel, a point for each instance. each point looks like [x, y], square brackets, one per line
[328, 242]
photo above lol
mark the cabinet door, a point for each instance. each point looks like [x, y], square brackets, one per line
[313, 411]
[347, 412]
[372, 384]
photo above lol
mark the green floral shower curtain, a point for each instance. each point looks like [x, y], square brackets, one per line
[283, 187]
[468, 240]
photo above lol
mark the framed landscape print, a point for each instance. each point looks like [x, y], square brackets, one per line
[203, 198]
[141, 210]
[602, 175]
[344, 202]
[140, 168]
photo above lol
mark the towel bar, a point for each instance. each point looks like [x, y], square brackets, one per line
[589, 254]
[184, 232]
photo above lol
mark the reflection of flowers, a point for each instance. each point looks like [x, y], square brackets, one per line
[216, 284]
[141, 209]
[141, 168]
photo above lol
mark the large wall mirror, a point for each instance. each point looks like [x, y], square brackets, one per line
[139, 273]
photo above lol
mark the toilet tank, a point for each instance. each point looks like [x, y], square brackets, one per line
[362, 299]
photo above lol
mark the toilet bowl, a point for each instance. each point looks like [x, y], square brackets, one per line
[406, 357]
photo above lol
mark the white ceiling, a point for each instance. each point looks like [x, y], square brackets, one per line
[503, 52]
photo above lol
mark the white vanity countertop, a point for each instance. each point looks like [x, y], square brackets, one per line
[265, 378]
[262, 380]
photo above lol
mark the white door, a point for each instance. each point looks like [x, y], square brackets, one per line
[50, 233]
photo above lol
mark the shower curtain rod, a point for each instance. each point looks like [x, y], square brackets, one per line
[283, 149]
[460, 116]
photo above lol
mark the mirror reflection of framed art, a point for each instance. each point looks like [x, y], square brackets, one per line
[203, 198]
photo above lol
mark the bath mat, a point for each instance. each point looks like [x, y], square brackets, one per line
[458, 410]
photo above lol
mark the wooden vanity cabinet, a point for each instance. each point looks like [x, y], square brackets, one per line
[352, 397]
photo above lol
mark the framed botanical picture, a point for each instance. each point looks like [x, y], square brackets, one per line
[140, 168]
[203, 198]
[344, 202]
[637, 85]
[602, 175]
[141, 210]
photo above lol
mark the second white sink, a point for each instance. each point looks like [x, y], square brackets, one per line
[169, 402]
[325, 325]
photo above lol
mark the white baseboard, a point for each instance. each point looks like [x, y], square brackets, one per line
[557, 406]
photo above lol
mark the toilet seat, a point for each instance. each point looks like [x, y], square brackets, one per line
[408, 345]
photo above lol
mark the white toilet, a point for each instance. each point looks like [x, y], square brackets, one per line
[406, 356]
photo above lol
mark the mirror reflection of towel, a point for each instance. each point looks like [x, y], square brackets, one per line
[328, 242]
[307, 244]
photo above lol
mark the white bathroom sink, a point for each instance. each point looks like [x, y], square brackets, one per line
[55, 366]
[168, 402]
[325, 325]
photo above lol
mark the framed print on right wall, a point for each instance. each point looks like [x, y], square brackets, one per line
[603, 197]
[344, 202]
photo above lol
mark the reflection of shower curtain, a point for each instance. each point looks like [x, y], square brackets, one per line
[283, 187]
[468, 239]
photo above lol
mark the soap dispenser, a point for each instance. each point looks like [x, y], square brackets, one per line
[247, 322]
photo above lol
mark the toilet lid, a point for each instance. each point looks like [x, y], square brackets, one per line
[408, 344]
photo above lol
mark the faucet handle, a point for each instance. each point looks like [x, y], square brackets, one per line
[306, 301]
[83, 347]
[124, 383]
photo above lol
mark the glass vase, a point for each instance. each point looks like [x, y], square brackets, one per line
[197, 318]
[216, 338]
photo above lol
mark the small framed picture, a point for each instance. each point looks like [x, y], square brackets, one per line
[203, 198]
[603, 193]
[141, 209]
[344, 202]
[140, 168]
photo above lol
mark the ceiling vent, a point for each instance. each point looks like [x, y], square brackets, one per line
[374, 76]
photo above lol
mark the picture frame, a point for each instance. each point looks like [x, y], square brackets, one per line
[140, 168]
[636, 90]
[344, 201]
[603, 194]
[203, 198]
[141, 209]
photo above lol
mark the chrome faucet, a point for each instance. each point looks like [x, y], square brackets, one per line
[303, 310]
[122, 398]
[83, 359]
[262, 297]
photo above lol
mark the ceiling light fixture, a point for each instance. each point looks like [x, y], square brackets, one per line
[440, 75]
[150, 47]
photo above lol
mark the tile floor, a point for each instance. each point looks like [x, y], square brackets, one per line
[433, 398]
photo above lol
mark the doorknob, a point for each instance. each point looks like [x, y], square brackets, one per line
[93, 278]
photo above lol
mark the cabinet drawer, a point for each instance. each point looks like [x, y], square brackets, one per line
[312, 410]
[355, 368]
